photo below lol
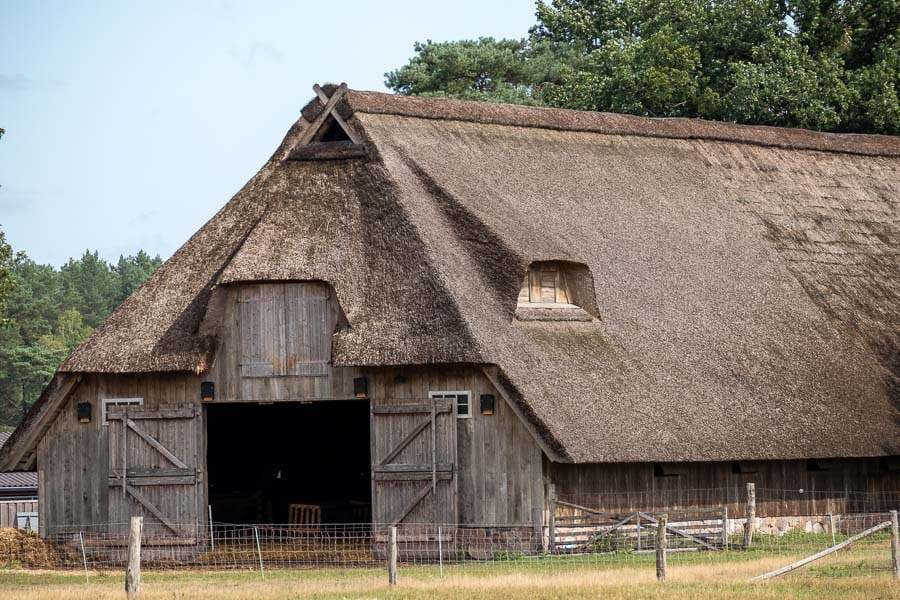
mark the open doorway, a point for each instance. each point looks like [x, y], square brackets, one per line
[289, 462]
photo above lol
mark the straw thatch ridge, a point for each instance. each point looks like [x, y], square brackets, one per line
[747, 296]
[619, 124]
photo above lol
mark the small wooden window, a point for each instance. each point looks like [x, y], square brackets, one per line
[741, 468]
[556, 291]
[462, 399]
[545, 283]
[660, 470]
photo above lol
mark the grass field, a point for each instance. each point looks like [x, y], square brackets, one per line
[860, 573]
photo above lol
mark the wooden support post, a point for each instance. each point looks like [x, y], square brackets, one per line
[661, 528]
[551, 518]
[434, 499]
[895, 545]
[125, 454]
[392, 556]
[750, 525]
[725, 527]
[133, 570]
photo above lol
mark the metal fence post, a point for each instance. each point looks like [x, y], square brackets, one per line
[725, 526]
[831, 526]
[212, 539]
[133, 570]
[639, 531]
[895, 544]
[392, 556]
[259, 552]
[551, 520]
[440, 554]
[83, 555]
[751, 515]
[661, 525]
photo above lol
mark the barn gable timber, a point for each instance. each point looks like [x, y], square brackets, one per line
[705, 240]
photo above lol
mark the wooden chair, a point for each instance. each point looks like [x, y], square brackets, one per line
[305, 514]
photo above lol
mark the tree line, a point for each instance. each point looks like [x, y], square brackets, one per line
[830, 65]
[46, 312]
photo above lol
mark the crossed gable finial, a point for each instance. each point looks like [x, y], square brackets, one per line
[329, 110]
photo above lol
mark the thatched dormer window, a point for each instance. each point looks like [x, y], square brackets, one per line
[555, 291]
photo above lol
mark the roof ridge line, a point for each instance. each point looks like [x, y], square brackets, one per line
[605, 123]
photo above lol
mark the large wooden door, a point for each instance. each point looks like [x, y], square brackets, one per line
[160, 453]
[414, 463]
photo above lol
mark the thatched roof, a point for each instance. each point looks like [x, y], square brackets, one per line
[747, 278]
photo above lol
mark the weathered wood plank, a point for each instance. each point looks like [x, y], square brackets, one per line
[137, 414]
[411, 468]
[163, 480]
[411, 476]
[400, 409]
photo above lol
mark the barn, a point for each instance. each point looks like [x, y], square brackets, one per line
[431, 310]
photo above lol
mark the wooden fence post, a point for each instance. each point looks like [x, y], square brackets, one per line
[551, 518]
[661, 525]
[750, 525]
[133, 570]
[392, 556]
[895, 545]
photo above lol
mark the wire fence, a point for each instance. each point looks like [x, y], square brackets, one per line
[700, 542]
[602, 543]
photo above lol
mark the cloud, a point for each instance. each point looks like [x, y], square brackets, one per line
[256, 51]
[21, 83]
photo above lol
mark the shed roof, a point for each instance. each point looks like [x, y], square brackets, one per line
[16, 480]
[747, 278]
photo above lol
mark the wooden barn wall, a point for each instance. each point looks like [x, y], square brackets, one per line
[499, 464]
[499, 468]
[73, 458]
[840, 486]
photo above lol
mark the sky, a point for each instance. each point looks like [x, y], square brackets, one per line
[129, 124]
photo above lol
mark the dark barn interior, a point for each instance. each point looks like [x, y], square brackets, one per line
[262, 459]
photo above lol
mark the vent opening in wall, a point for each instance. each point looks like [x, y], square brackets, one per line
[556, 291]
[110, 402]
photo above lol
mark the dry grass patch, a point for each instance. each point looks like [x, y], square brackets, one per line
[862, 572]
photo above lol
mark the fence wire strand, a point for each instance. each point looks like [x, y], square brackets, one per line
[582, 533]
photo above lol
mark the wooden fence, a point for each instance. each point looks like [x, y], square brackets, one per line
[10, 508]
